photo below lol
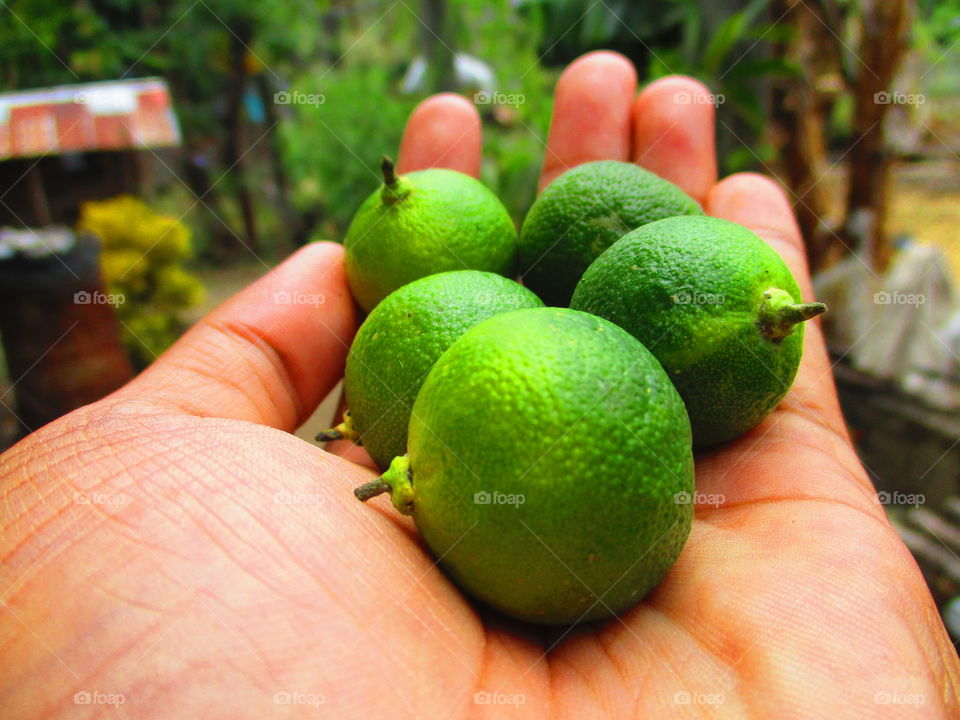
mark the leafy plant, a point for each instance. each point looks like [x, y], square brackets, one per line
[142, 256]
[726, 53]
[721, 43]
[573, 27]
[332, 148]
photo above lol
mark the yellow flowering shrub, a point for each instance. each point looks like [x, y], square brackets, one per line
[142, 256]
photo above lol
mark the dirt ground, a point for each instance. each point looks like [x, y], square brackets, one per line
[924, 205]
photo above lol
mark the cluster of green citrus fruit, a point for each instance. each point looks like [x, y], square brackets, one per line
[546, 453]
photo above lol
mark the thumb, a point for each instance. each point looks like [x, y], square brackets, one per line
[268, 355]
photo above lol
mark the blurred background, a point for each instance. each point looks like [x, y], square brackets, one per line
[157, 157]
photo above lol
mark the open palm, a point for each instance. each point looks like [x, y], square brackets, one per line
[172, 551]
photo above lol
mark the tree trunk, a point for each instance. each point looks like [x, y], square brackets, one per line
[195, 160]
[883, 36]
[798, 121]
[331, 22]
[299, 225]
[38, 198]
[798, 108]
[437, 47]
[234, 146]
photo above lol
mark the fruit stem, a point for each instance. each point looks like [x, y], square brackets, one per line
[389, 172]
[397, 480]
[778, 313]
[343, 431]
[371, 489]
[395, 187]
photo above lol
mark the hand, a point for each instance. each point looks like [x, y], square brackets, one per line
[174, 546]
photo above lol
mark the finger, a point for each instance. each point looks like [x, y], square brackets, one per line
[354, 453]
[269, 354]
[591, 113]
[443, 131]
[673, 134]
[760, 204]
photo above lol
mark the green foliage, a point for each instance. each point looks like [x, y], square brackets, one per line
[142, 255]
[48, 42]
[514, 135]
[333, 149]
[725, 54]
[936, 35]
[356, 54]
[572, 27]
[937, 25]
[511, 167]
[721, 43]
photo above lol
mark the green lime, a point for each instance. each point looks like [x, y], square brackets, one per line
[718, 308]
[423, 223]
[549, 466]
[400, 341]
[581, 213]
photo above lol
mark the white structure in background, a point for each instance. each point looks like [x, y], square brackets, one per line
[903, 327]
[471, 73]
[35, 242]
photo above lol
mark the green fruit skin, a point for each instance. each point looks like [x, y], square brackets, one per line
[582, 213]
[402, 338]
[448, 221]
[574, 414]
[729, 375]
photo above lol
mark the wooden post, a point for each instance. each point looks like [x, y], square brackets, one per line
[437, 43]
[38, 196]
[878, 57]
[798, 107]
[234, 150]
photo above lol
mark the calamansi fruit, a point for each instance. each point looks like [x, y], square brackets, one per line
[549, 466]
[423, 223]
[400, 341]
[718, 308]
[581, 213]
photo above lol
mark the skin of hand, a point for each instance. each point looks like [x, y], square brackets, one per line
[174, 550]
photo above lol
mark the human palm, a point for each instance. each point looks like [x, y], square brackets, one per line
[175, 547]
